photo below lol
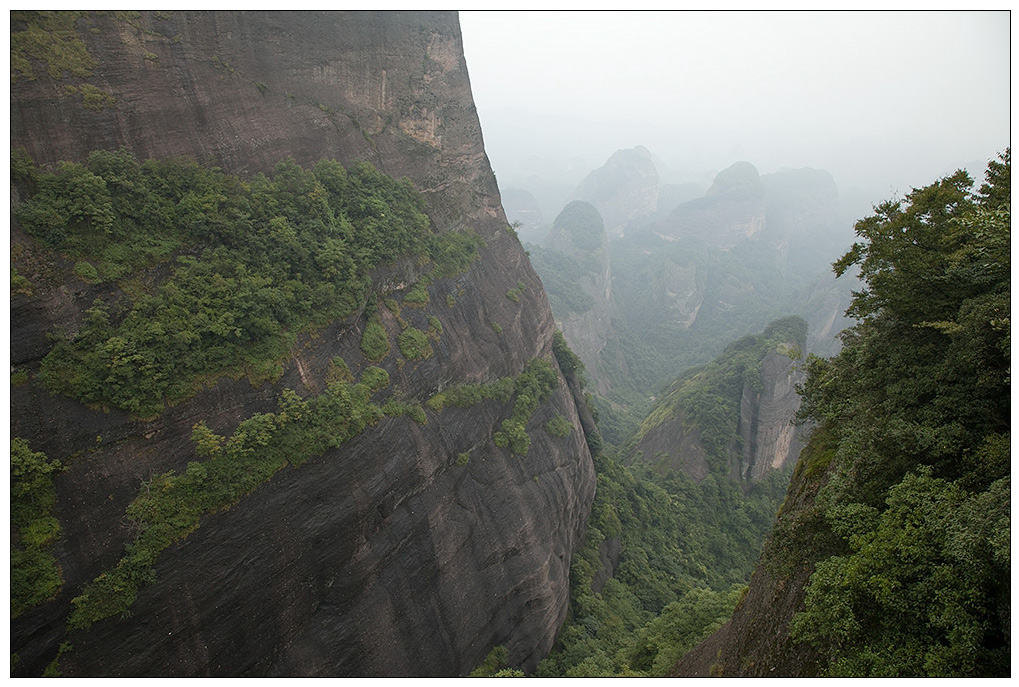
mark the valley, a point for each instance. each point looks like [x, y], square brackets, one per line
[300, 388]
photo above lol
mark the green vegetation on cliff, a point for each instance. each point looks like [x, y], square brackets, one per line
[50, 39]
[217, 274]
[169, 506]
[708, 397]
[913, 578]
[684, 550]
[528, 390]
[35, 573]
[665, 557]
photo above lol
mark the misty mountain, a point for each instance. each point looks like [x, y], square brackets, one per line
[623, 190]
[749, 249]
[524, 212]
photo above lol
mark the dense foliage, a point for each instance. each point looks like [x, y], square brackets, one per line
[684, 551]
[35, 573]
[915, 434]
[218, 274]
[684, 548]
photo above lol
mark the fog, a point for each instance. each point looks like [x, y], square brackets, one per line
[885, 101]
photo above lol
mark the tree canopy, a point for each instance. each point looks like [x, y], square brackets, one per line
[916, 411]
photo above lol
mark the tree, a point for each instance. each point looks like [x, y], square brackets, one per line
[917, 405]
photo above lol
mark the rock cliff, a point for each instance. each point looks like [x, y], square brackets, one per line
[734, 415]
[732, 210]
[390, 554]
[579, 234]
[770, 441]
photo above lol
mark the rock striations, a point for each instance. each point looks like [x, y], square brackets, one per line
[389, 555]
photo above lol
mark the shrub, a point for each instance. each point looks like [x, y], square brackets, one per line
[414, 344]
[338, 371]
[20, 284]
[434, 328]
[35, 573]
[85, 271]
[558, 426]
[374, 340]
[375, 378]
[417, 296]
[514, 293]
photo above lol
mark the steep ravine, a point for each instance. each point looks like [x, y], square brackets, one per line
[385, 556]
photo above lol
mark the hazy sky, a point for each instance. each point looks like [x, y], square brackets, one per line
[884, 99]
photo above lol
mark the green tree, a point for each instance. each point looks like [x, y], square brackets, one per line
[35, 573]
[915, 412]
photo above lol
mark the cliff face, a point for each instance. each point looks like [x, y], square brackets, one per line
[732, 210]
[770, 440]
[387, 555]
[579, 234]
[735, 414]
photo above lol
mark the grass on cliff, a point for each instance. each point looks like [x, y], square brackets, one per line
[223, 272]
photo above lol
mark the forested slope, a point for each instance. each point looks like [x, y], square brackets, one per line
[891, 556]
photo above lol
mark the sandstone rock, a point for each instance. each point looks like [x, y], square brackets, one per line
[384, 556]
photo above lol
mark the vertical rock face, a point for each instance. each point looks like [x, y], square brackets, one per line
[387, 555]
[770, 440]
[624, 189]
[579, 234]
[733, 416]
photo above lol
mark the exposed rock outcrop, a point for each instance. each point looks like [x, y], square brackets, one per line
[732, 210]
[733, 416]
[579, 234]
[384, 556]
[770, 441]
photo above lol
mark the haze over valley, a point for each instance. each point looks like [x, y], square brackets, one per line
[588, 344]
[884, 101]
